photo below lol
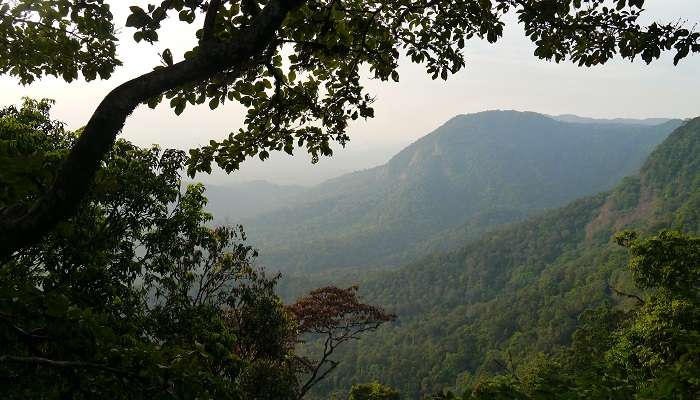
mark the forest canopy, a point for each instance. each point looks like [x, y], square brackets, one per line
[651, 351]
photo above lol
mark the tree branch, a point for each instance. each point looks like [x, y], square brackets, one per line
[328, 348]
[250, 7]
[22, 226]
[210, 20]
[628, 295]
[60, 364]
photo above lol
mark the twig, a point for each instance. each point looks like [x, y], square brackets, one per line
[629, 295]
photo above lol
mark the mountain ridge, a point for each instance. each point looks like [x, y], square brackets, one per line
[515, 163]
[519, 290]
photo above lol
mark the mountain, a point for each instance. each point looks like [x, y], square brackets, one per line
[473, 173]
[519, 290]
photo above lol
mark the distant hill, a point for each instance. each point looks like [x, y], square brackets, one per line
[627, 121]
[473, 173]
[519, 290]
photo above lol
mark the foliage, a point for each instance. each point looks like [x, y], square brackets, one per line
[296, 66]
[669, 261]
[491, 307]
[27, 159]
[650, 352]
[66, 38]
[136, 296]
[124, 299]
[373, 391]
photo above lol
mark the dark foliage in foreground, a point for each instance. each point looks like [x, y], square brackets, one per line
[136, 296]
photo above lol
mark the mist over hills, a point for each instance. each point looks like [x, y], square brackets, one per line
[629, 121]
[249, 199]
[519, 290]
[471, 174]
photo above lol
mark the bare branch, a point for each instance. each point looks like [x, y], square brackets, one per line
[60, 364]
[628, 295]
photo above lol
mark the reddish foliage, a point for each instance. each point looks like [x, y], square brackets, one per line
[338, 315]
[332, 308]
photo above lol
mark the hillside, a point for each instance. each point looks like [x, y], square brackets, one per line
[520, 289]
[473, 173]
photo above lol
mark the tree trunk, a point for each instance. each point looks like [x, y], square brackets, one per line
[22, 226]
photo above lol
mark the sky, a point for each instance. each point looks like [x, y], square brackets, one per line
[504, 75]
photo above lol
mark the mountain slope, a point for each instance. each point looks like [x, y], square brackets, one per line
[473, 173]
[519, 290]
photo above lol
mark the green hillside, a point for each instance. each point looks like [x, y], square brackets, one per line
[473, 173]
[519, 289]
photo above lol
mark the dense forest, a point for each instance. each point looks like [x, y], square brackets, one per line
[138, 294]
[520, 291]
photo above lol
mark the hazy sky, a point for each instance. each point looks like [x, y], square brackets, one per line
[500, 76]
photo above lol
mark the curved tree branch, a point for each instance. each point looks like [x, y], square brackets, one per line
[60, 364]
[21, 226]
[640, 301]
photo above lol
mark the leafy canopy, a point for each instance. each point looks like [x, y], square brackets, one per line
[373, 391]
[305, 84]
[649, 352]
[297, 66]
[124, 299]
[136, 295]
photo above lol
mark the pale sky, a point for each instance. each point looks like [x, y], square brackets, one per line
[501, 76]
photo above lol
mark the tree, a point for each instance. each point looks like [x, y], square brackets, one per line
[651, 351]
[659, 350]
[294, 64]
[136, 295]
[124, 299]
[333, 316]
[373, 391]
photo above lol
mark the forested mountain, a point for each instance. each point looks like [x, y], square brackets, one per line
[519, 290]
[473, 173]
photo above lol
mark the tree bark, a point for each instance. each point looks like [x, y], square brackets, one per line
[25, 226]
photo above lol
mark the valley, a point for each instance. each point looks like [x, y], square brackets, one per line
[502, 242]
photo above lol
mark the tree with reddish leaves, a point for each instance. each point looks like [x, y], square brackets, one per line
[334, 316]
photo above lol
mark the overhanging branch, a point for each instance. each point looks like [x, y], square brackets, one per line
[22, 226]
